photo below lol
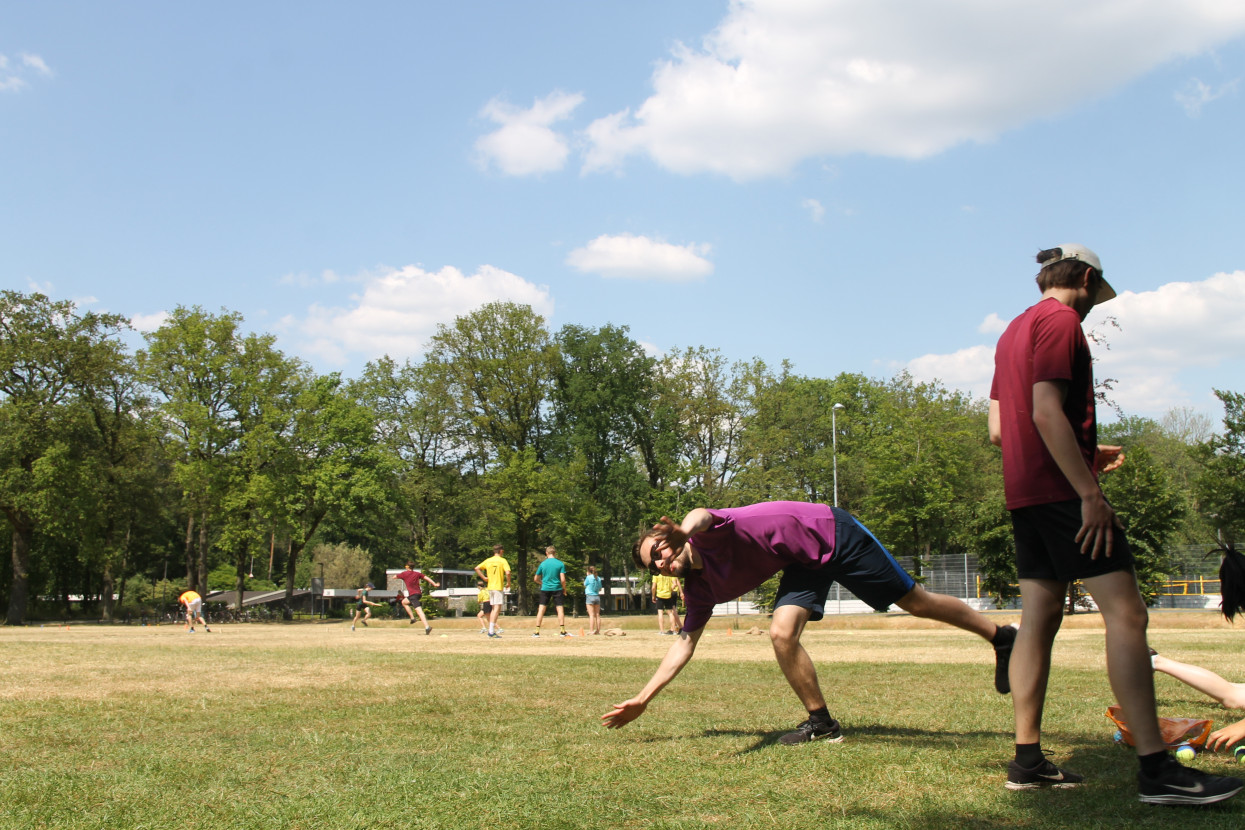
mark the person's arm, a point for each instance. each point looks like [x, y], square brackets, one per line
[1098, 519]
[674, 661]
[562, 579]
[507, 580]
[429, 580]
[995, 424]
[1221, 739]
[481, 574]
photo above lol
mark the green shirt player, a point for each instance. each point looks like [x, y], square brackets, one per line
[551, 574]
[363, 606]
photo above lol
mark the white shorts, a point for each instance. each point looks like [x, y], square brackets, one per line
[195, 608]
[497, 598]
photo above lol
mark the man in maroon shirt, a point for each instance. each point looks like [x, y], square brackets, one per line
[1042, 416]
[411, 602]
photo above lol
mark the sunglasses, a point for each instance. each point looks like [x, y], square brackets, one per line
[652, 559]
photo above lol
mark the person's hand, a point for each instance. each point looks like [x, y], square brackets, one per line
[668, 534]
[1098, 525]
[624, 713]
[1108, 458]
[1221, 739]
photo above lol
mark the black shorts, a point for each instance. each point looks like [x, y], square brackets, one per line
[860, 564]
[413, 600]
[667, 603]
[554, 598]
[486, 606]
[1046, 546]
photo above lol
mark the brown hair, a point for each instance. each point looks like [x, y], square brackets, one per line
[550, 551]
[498, 548]
[1066, 273]
[635, 549]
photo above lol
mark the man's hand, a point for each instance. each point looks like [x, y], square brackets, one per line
[1221, 739]
[1098, 524]
[624, 713]
[1108, 458]
[668, 534]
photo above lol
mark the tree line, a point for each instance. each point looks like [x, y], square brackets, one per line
[207, 448]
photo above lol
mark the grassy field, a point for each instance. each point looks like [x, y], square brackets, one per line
[313, 726]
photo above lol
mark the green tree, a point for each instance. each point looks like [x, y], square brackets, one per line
[50, 357]
[1150, 508]
[1220, 487]
[497, 364]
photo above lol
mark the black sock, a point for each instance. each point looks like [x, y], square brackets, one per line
[1029, 755]
[1152, 764]
[998, 630]
[822, 715]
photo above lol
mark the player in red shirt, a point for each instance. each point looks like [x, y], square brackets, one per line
[411, 601]
[1042, 416]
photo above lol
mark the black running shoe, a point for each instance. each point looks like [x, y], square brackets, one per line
[1178, 784]
[1002, 657]
[1044, 774]
[812, 730]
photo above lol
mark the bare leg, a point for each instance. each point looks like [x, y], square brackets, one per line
[1128, 656]
[785, 629]
[423, 619]
[1229, 695]
[922, 603]
[1040, 617]
[561, 616]
[540, 616]
[409, 611]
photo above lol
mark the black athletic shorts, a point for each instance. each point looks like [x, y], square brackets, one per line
[414, 600]
[667, 603]
[1046, 546]
[860, 564]
[548, 598]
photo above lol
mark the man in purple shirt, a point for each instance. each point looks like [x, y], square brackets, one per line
[722, 554]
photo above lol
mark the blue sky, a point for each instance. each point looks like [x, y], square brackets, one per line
[853, 185]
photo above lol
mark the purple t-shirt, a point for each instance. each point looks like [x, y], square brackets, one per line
[748, 545]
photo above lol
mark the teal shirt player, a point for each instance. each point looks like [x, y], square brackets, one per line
[549, 572]
[592, 585]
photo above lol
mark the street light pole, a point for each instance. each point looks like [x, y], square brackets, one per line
[834, 442]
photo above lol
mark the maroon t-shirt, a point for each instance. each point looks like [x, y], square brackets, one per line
[1044, 343]
[412, 578]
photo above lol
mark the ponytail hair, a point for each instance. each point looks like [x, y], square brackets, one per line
[1232, 582]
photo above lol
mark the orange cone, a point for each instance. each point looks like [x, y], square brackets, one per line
[729, 632]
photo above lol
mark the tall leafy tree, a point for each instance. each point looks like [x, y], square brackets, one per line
[51, 356]
[498, 365]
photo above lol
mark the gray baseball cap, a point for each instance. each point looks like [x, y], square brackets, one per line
[1082, 254]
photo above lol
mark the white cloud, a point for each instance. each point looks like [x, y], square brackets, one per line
[525, 145]
[397, 311]
[149, 322]
[13, 76]
[993, 324]
[1164, 336]
[638, 257]
[815, 209]
[1197, 94]
[36, 63]
[781, 81]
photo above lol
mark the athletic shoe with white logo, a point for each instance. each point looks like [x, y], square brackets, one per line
[813, 730]
[1044, 774]
[1178, 784]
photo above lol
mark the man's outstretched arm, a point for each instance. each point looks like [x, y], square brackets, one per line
[674, 661]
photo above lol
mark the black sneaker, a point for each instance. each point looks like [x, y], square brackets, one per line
[812, 730]
[427, 629]
[412, 620]
[1178, 784]
[1003, 657]
[1044, 774]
